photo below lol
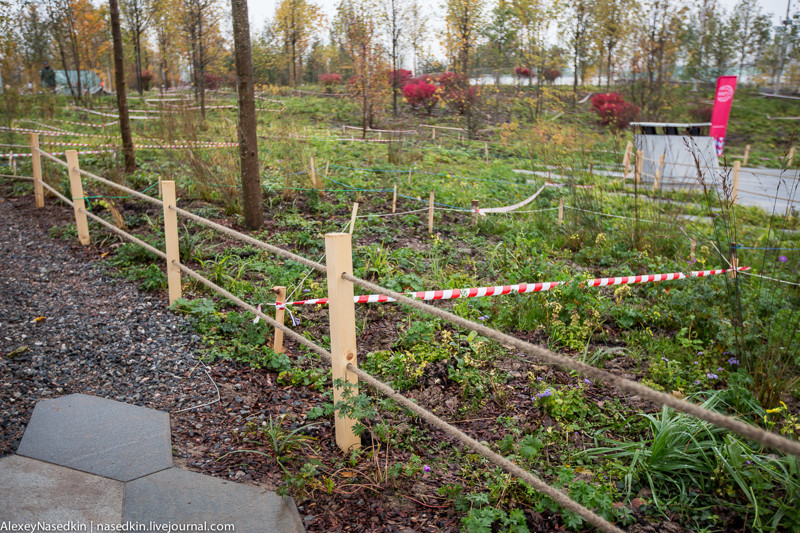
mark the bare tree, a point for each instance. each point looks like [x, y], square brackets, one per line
[248, 137]
[137, 15]
[395, 16]
[63, 27]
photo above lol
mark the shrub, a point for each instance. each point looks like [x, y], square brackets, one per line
[613, 110]
[523, 72]
[147, 79]
[419, 93]
[456, 92]
[551, 74]
[213, 81]
[329, 80]
[702, 112]
[400, 76]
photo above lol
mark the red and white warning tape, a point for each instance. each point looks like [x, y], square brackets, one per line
[521, 288]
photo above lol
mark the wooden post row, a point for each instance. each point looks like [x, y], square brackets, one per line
[171, 240]
[36, 157]
[430, 214]
[659, 170]
[626, 160]
[737, 167]
[76, 188]
[280, 297]
[637, 175]
[353, 217]
[746, 155]
[342, 316]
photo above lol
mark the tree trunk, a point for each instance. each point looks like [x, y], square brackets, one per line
[202, 63]
[137, 50]
[122, 98]
[248, 136]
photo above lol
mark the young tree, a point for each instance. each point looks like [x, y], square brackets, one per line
[248, 135]
[166, 16]
[62, 21]
[417, 33]
[137, 15]
[122, 98]
[611, 27]
[35, 40]
[464, 19]
[530, 23]
[200, 19]
[296, 22]
[577, 18]
[500, 38]
[356, 28]
[395, 16]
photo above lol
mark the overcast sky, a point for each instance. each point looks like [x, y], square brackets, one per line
[261, 10]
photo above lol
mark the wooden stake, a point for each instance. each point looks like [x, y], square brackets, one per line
[327, 165]
[394, 200]
[430, 214]
[746, 155]
[486, 151]
[342, 316]
[660, 168]
[409, 174]
[637, 175]
[734, 261]
[790, 157]
[737, 166]
[475, 212]
[313, 175]
[433, 134]
[77, 197]
[691, 254]
[353, 217]
[277, 341]
[626, 160]
[172, 240]
[561, 211]
[38, 190]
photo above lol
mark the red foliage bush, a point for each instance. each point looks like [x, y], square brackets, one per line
[613, 110]
[523, 72]
[551, 74]
[449, 80]
[147, 79]
[400, 76]
[329, 80]
[212, 81]
[419, 92]
[456, 93]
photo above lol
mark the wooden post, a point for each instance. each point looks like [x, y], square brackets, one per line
[313, 175]
[626, 160]
[486, 151]
[430, 214]
[277, 342]
[342, 316]
[77, 197]
[475, 212]
[38, 190]
[433, 134]
[734, 261]
[790, 157]
[327, 165]
[694, 247]
[353, 217]
[737, 167]
[660, 168]
[410, 169]
[637, 175]
[746, 155]
[172, 241]
[394, 200]
[561, 211]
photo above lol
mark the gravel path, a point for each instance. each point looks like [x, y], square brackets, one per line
[66, 327]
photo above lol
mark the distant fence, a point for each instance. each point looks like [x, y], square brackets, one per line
[342, 356]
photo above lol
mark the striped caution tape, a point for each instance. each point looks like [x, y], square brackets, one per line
[521, 288]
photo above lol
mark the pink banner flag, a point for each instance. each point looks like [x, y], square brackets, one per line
[723, 100]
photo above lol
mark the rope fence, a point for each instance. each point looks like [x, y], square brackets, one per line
[342, 358]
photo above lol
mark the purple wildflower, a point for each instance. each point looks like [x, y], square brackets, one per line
[720, 369]
[696, 363]
[547, 392]
[587, 381]
[699, 353]
[426, 468]
[306, 290]
[697, 382]
[733, 361]
[483, 318]
[665, 359]
[782, 259]
[711, 375]
[748, 462]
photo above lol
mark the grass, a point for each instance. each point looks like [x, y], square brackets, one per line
[673, 336]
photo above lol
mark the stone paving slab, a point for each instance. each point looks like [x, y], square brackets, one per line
[33, 491]
[99, 436]
[180, 496]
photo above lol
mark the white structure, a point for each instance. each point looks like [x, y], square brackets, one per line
[685, 148]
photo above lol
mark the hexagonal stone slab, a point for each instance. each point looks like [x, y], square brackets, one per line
[34, 491]
[99, 436]
[183, 497]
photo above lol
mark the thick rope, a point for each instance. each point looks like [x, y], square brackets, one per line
[250, 240]
[51, 157]
[132, 192]
[22, 177]
[125, 234]
[743, 429]
[426, 415]
[58, 194]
